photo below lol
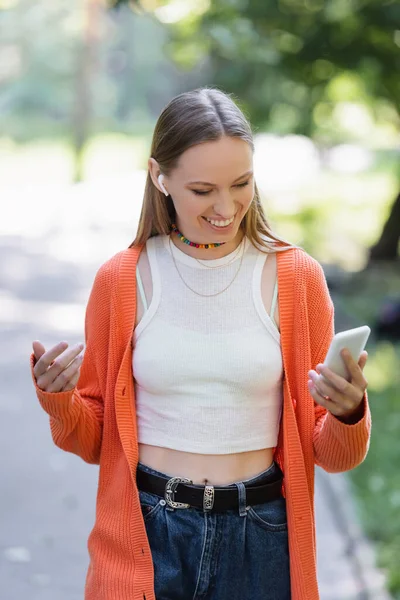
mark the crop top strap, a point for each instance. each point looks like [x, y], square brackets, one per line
[141, 289]
[274, 299]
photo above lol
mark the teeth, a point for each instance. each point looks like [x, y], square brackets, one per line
[221, 223]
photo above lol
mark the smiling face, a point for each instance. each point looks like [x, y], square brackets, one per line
[212, 181]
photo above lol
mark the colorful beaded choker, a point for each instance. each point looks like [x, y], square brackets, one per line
[189, 243]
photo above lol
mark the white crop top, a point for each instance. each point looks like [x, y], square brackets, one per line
[207, 371]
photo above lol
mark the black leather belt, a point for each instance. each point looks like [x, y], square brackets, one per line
[181, 493]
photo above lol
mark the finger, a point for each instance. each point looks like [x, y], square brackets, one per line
[60, 362]
[356, 374]
[346, 400]
[72, 382]
[38, 349]
[48, 357]
[319, 398]
[325, 389]
[363, 359]
[67, 376]
[334, 407]
[339, 383]
[343, 402]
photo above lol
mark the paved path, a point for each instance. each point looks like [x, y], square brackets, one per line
[51, 244]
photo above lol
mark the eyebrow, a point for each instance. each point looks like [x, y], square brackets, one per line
[214, 184]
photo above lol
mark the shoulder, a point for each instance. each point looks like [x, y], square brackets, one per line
[124, 261]
[302, 276]
[114, 270]
[310, 267]
[303, 265]
[316, 289]
[121, 260]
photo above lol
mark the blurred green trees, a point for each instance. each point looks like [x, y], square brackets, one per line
[70, 69]
[295, 64]
[301, 57]
[328, 70]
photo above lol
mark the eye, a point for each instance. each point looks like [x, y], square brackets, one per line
[205, 193]
[198, 193]
[242, 185]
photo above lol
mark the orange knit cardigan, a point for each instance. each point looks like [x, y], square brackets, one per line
[97, 421]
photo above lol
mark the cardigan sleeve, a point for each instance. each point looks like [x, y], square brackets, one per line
[337, 446]
[76, 416]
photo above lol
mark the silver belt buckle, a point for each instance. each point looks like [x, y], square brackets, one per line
[169, 493]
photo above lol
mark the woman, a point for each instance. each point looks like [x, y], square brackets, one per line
[198, 392]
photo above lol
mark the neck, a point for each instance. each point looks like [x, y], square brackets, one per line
[208, 253]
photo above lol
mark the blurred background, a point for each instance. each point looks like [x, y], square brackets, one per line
[81, 86]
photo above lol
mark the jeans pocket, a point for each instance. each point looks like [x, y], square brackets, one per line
[270, 515]
[150, 504]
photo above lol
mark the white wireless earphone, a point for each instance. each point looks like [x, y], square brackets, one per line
[160, 181]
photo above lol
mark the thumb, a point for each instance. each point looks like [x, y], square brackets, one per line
[363, 359]
[38, 349]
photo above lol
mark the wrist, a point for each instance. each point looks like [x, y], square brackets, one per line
[354, 416]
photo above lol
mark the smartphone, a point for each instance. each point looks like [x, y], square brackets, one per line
[354, 340]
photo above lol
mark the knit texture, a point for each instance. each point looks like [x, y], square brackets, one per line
[97, 421]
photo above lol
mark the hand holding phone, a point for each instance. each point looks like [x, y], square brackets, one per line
[354, 340]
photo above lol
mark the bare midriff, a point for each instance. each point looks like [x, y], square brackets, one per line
[212, 469]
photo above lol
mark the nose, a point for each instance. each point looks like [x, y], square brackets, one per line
[225, 207]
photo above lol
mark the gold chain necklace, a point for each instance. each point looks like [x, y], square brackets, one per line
[194, 291]
[225, 264]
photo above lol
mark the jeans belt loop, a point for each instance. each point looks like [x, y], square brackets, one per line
[208, 497]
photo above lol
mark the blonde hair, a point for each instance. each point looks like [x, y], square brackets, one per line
[202, 115]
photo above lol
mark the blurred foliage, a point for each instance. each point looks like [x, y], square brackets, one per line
[292, 61]
[326, 69]
[59, 57]
[376, 482]
[117, 3]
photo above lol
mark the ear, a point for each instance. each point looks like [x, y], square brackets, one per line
[155, 171]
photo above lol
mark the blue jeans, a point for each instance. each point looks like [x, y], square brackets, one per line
[237, 554]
